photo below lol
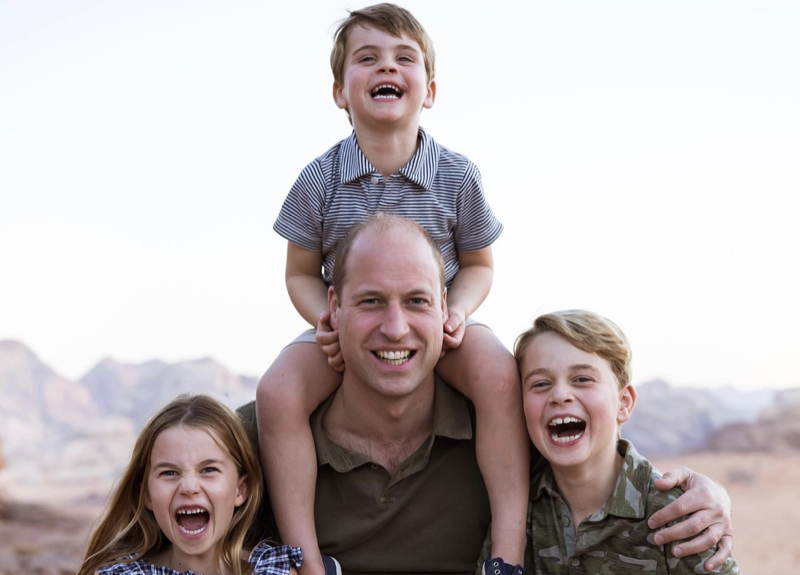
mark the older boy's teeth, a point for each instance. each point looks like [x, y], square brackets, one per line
[394, 357]
[567, 439]
[560, 420]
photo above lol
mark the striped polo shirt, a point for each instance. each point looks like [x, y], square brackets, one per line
[437, 188]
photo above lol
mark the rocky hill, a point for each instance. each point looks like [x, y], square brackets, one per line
[76, 432]
[671, 420]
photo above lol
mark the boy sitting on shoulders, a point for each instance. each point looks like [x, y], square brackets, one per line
[383, 67]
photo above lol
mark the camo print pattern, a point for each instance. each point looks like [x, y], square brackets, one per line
[612, 541]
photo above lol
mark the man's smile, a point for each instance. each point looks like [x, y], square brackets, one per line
[394, 357]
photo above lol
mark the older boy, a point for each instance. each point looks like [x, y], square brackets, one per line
[589, 508]
[383, 66]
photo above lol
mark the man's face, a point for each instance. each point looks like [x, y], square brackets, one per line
[385, 81]
[391, 314]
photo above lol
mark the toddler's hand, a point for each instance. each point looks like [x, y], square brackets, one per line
[453, 329]
[328, 340]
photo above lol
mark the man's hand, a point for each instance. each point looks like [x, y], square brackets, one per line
[710, 518]
[453, 329]
[328, 340]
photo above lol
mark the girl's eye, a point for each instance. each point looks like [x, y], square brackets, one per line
[210, 470]
[168, 473]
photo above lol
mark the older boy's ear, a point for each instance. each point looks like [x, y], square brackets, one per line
[241, 491]
[431, 95]
[333, 307]
[627, 400]
[338, 96]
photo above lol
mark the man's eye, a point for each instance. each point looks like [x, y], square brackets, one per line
[418, 301]
[369, 301]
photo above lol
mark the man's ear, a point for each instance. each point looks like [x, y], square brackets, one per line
[241, 491]
[333, 307]
[338, 96]
[444, 305]
[431, 95]
[627, 400]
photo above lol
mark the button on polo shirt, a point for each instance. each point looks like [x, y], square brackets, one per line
[431, 515]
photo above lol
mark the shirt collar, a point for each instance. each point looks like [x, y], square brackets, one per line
[629, 497]
[451, 418]
[420, 169]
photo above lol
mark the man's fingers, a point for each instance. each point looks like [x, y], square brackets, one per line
[706, 540]
[693, 525]
[723, 552]
[673, 478]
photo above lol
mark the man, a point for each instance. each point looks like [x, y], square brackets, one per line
[398, 487]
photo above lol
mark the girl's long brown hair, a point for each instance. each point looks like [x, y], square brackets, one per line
[128, 530]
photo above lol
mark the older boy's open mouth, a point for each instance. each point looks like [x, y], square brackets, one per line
[394, 357]
[566, 429]
[386, 92]
[192, 520]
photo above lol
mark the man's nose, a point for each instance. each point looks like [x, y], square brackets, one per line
[395, 324]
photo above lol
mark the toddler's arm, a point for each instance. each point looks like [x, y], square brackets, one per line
[307, 290]
[470, 287]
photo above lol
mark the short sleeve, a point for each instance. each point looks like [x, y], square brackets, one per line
[301, 216]
[268, 560]
[477, 226]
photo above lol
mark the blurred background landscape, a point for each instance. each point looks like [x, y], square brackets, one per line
[63, 443]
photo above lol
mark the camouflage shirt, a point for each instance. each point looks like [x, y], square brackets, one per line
[614, 540]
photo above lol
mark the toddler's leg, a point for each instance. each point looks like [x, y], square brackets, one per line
[483, 369]
[291, 389]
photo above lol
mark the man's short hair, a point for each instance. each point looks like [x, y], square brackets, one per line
[391, 19]
[588, 332]
[382, 222]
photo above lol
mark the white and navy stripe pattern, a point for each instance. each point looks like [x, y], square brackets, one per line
[439, 189]
[264, 559]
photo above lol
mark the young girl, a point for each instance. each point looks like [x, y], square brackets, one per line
[186, 501]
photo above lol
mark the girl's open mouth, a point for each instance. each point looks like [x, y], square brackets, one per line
[192, 520]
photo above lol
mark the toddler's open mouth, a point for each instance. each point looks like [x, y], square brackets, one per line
[566, 429]
[386, 92]
[192, 520]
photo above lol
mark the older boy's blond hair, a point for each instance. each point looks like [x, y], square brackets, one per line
[588, 332]
[390, 18]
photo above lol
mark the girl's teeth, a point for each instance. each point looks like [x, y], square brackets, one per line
[195, 532]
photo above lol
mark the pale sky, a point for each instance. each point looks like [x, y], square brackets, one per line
[642, 155]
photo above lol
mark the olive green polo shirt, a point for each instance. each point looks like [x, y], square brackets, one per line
[430, 516]
[614, 539]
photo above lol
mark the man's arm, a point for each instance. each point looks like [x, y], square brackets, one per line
[710, 519]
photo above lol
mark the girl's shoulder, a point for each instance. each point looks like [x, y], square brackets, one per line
[268, 560]
[138, 567]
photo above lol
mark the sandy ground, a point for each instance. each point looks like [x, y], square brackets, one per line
[765, 495]
[50, 539]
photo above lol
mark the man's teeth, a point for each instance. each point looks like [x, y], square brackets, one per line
[557, 439]
[560, 420]
[394, 357]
